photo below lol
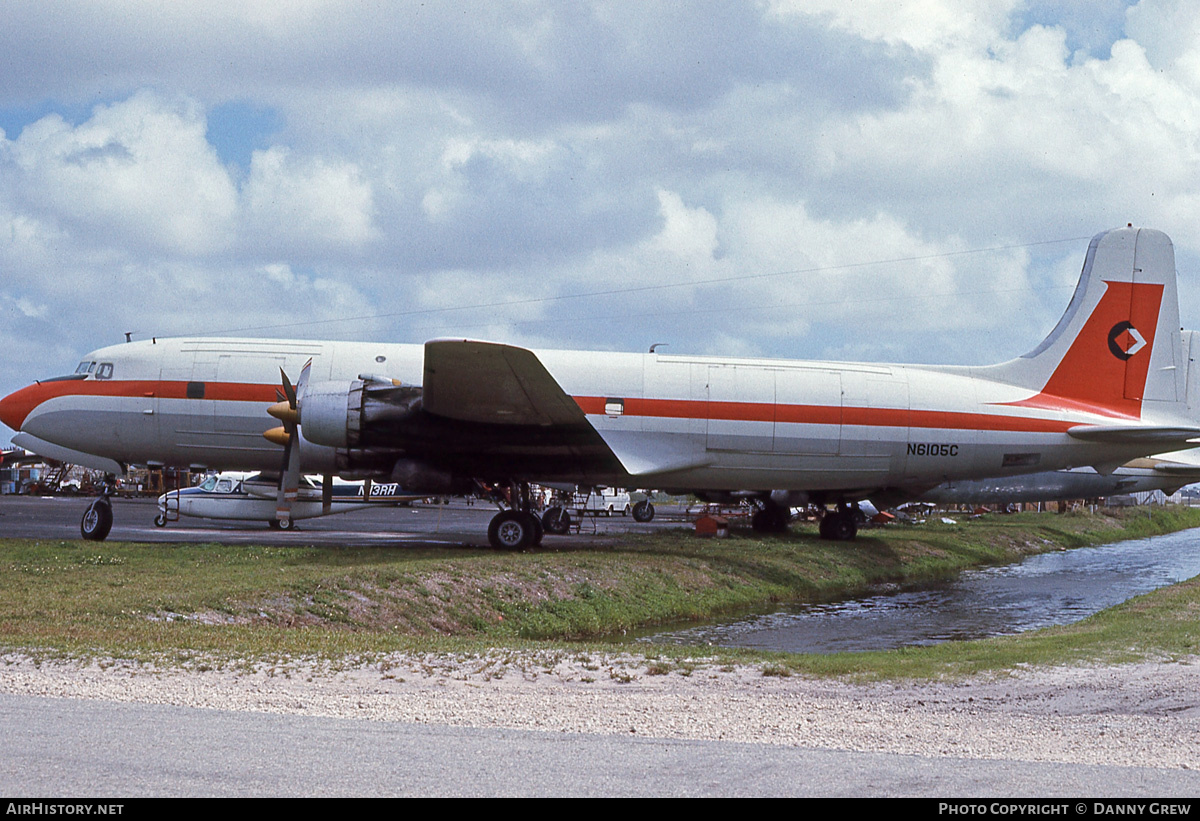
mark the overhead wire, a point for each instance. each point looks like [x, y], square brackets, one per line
[634, 289]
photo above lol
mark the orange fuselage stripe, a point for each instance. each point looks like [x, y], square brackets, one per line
[20, 404]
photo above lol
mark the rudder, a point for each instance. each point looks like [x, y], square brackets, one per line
[1117, 347]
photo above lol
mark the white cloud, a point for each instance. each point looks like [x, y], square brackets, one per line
[923, 24]
[421, 157]
[689, 234]
[137, 173]
[307, 203]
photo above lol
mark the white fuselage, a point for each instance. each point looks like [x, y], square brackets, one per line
[705, 423]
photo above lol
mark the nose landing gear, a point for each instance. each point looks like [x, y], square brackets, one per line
[98, 518]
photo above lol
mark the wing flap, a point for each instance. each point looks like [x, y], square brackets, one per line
[644, 456]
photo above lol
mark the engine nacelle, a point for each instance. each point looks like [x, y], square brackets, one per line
[416, 476]
[340, 414]
[331, 413]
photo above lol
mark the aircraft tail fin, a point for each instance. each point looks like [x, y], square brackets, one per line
[1117, 350]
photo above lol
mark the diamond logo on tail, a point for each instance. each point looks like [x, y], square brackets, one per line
[1124, 340]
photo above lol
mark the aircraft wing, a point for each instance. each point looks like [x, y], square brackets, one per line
[488, 382]
[474, 381]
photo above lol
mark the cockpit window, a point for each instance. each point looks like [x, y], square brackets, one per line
[85, 367]
[105, 371]
[208, 484]
[225, 486]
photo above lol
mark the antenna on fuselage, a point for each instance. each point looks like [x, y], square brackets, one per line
[658, 345]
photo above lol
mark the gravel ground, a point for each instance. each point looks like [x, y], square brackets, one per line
[1144, 715]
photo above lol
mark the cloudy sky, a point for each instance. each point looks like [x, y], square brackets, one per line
[841, 179]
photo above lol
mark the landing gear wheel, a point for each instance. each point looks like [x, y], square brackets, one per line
[556, 520]
[839, 526]
[281, 524]
[97, 521]
[643, 511]
[771, 519]
[160, 520]
[511, 530]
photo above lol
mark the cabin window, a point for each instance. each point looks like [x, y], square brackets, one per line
[195, 390]
[614, 407]
[104, 371]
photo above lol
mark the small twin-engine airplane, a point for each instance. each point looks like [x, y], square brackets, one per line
[1106, 386]
[252, 497]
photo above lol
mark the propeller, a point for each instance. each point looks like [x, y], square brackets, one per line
[287, 410]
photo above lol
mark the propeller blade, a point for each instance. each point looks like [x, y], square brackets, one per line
[302, 382]
[288, 391]
[289, 436]
[326, 494]
[289, 481]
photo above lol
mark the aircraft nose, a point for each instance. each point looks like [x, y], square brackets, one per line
[15, 407]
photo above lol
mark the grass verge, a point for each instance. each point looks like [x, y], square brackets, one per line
[175, 603]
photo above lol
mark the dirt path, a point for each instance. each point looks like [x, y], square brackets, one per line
[1143, 715]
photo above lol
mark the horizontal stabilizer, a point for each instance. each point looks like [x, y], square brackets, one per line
[496, 384]
[1149, 435]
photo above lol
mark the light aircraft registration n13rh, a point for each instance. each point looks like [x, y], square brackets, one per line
[1108, 384]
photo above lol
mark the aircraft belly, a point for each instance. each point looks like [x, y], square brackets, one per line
[740, 437]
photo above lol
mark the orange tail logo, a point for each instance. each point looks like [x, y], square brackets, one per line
[1105, 369]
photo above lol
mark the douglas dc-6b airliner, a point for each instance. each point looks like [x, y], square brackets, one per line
[1108, 384]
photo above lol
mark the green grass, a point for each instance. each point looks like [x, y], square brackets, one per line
[177, 603]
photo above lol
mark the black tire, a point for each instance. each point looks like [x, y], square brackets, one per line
[510, 530]
[97, 521]
[160, 520]
[839, 527]
[771, 519]
[643, 511]
[281, 524]
[556, 520]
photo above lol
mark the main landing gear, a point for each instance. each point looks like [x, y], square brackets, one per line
[771, 518]
[840, 525]
[643, 511]
[518, 527]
